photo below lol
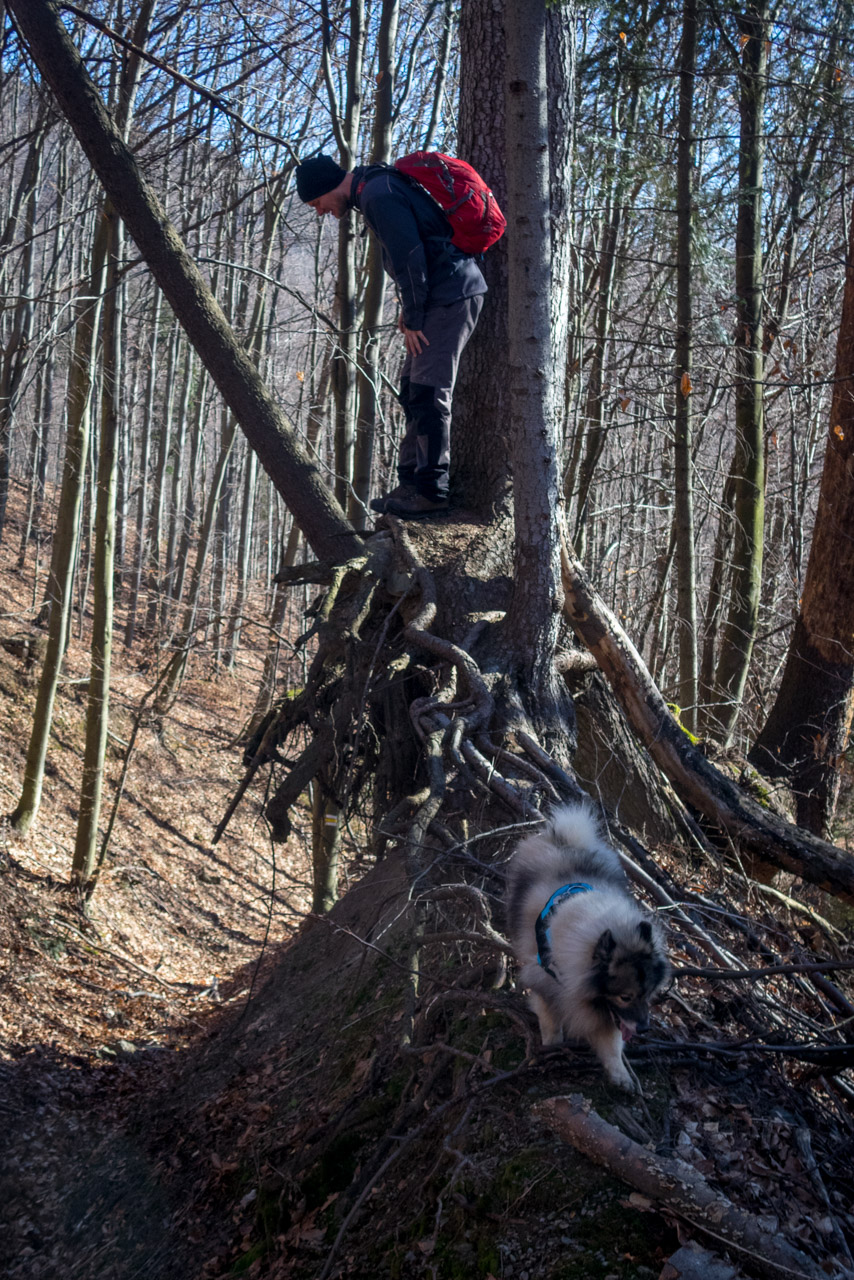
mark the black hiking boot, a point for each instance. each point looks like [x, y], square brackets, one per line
[418, 507]
[403, 491]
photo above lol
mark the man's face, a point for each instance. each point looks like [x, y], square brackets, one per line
[335, 202]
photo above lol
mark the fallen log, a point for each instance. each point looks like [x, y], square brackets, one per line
[675, 1184]
[695, 778]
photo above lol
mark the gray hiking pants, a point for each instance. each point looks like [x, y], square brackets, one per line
[426, 389]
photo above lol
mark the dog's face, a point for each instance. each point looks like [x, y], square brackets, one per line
[627, 972]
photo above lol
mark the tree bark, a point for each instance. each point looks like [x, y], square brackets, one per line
[368, 376]
[18, 350]
[696, 780]
[743, 612]
[683, 459]
[672, 1182]
[807, 729]
[98, 702]
[530, 627]
[144, 469]
[281, 452]
[480, 477]
[561, 82]
[61, 576]
[346, 125]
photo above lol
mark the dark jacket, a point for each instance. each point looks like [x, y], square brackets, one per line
[428, 271]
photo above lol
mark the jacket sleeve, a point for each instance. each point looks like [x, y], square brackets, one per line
[389, 215]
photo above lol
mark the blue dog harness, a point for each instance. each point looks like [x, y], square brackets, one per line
[542, 928]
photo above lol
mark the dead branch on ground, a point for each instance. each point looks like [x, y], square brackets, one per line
[676, 1185]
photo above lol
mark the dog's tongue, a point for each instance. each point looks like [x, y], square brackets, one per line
[627, 1031]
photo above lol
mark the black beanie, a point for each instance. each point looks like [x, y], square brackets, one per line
[317, 176]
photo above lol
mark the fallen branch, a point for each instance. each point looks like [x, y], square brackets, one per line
[830, 1057]
[695, 778]
[673, 1183]
[770, 971]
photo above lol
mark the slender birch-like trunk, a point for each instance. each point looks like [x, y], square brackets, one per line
[61, 576]
[98, 704]
[683, 460]
[749, 506]
[372, 319]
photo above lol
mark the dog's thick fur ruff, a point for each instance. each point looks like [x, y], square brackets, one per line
[606, 952]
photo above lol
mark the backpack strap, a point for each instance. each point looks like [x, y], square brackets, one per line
[371, 171]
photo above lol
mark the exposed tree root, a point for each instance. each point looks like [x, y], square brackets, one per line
[675, 1185]
[379, 663]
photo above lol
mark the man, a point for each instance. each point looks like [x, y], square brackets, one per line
[440, 290]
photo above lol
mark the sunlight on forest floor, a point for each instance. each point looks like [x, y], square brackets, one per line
[173, 920]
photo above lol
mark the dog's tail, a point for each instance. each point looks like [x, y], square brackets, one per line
[572, 827]
[575, 826]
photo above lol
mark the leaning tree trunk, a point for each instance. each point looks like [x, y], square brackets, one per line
[282, 454]
[807, 730]
[698, 783]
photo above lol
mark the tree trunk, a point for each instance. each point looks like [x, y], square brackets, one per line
[696, 780]
[595, 427]
[749, 510]
[560, 77]
[325, 849]
[266, 695]
[37, 460]
[531, 624]
[480, 478]
[807, 729]
[155, 578]
[98, 705]
[61, 577]
[140, 550]
[178, 662]
[683, 461]
[19, 347]
[346, 126]
[281, 452]
[369, 343]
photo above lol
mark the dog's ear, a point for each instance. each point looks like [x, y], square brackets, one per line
[645, 931]
[604, 948]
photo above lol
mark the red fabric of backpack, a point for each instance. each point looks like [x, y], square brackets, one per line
[461, 193]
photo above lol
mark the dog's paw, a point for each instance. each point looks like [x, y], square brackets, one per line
[551, 1039]
[619, 1076]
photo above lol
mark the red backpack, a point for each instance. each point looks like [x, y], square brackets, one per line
[462, 195]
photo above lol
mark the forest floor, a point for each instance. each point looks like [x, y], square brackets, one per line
[177, 928]
[200, 1080]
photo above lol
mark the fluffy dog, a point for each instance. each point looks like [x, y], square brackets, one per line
[589, 955]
